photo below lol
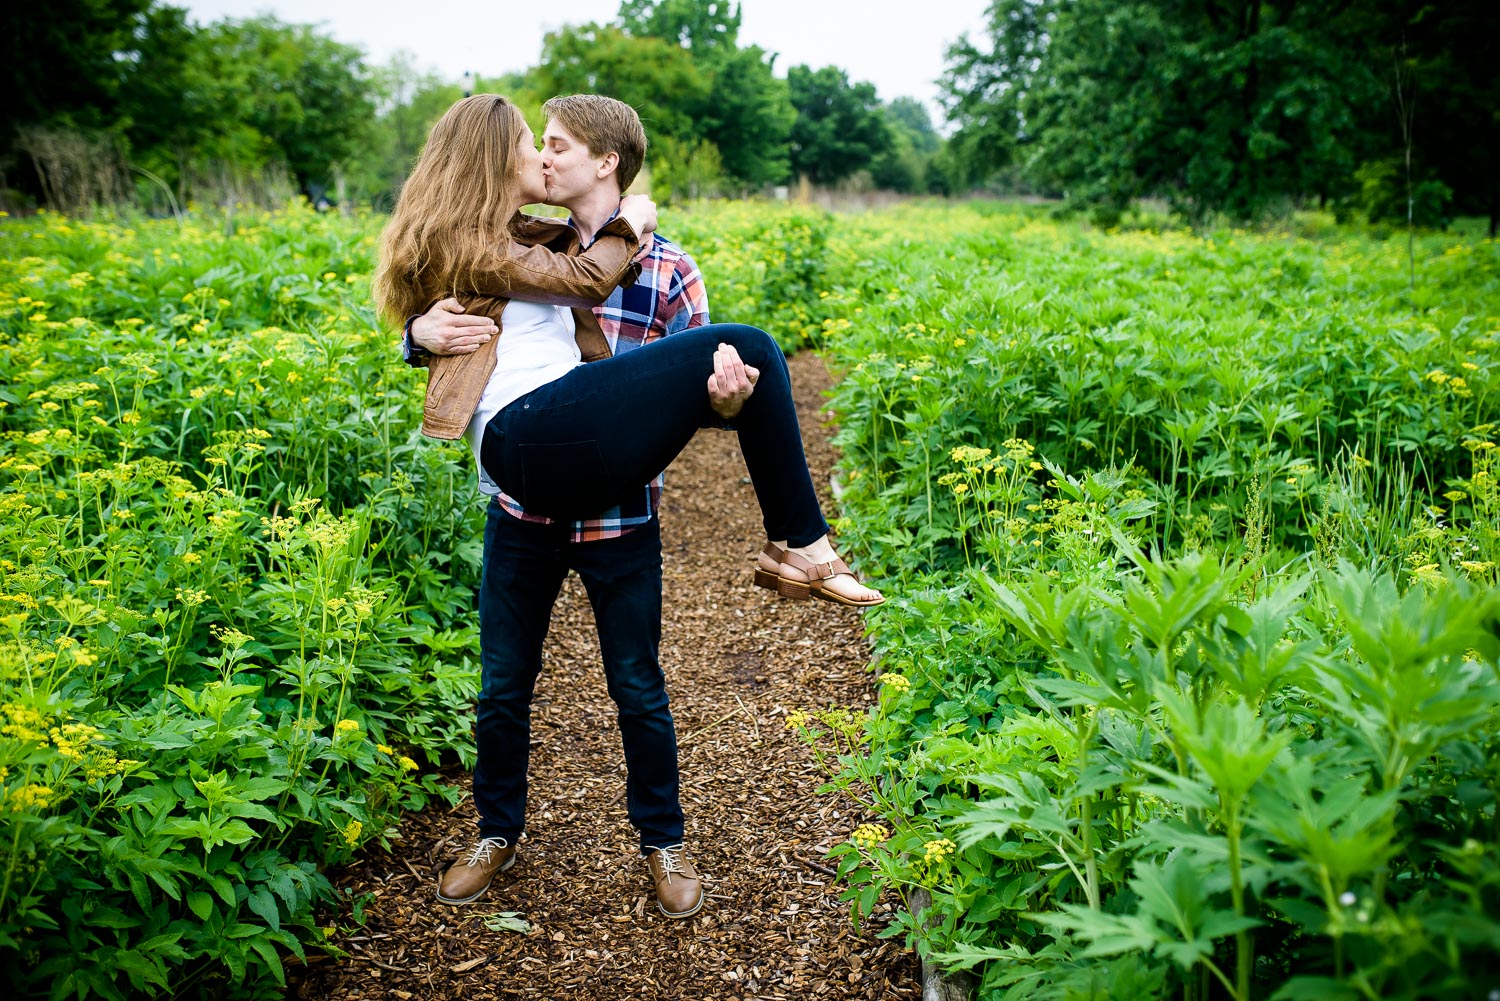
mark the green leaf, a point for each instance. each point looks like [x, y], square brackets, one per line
[141, 968]
[104, 916]
[241, 930]
[200, 904]
[1174, 898]
[511, 921]
[1316, 989]
[263, 903]
[1107, 934]
[260, 787]
[225, 889]
[268, 954]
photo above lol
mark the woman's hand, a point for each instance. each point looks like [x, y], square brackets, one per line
[732, 382]
[640, 212]
[446, 329]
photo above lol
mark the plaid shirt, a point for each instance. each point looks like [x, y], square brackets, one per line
[669, 296]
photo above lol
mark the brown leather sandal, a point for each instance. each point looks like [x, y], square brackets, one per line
[812, 582]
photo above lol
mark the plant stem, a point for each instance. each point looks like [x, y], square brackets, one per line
[1244, 945]
[1214, 969]
[1090, 862]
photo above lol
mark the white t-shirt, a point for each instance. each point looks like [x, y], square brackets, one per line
[536, 346]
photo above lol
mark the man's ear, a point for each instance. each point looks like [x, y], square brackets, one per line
[607, 165]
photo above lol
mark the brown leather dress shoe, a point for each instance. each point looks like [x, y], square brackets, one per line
[679, 891]
[471, 875]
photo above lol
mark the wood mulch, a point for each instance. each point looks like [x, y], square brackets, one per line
[738, 659]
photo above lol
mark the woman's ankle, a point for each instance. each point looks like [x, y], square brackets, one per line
[820, 550]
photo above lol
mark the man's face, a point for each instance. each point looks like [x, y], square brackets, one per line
[570, 169]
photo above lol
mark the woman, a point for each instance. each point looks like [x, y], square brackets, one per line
[563, 438]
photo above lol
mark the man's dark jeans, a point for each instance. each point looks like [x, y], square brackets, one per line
[524, 566]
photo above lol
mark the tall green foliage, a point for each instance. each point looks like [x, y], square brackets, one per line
[907, 163]
[66, 61]
[306, 93]
[407, 102]
[1241, 107]
[1446, 54]
[1227, 108]
[191, 105]
[840, 127]
[1189, 664]
[745, 114]
[234, 588]
[700, 25]
[748, 115]
[180, 109]
[659, 79]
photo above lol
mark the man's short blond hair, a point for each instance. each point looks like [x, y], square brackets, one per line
[604, 125]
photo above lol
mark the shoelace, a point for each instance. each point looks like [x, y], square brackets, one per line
[671, 861]
[481, 853]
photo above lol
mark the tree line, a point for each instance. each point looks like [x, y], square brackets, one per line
[1380, 109]
[1386, 109]
[112, 99]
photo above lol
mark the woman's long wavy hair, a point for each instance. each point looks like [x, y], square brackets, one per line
[457, 208]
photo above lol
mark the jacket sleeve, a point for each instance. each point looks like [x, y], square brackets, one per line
[537, 274]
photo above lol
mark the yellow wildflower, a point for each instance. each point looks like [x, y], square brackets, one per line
[232, 638]
[969, 454]
[898, 682]
[23, 723]
[30, 797]
[935, 851]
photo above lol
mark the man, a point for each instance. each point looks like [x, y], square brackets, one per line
[592, 149]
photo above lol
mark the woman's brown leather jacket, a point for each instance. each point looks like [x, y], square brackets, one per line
[542, 265]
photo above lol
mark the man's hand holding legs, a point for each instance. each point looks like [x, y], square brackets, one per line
[446, 329]
[732, 382]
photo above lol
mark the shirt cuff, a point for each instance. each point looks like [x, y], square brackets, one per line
[410, 352]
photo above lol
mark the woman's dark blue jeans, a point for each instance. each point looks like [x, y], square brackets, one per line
[584, 442]
[524, 565]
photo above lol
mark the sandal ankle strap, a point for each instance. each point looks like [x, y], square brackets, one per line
[815, 571]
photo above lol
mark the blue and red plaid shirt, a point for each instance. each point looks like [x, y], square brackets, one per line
[669, 296]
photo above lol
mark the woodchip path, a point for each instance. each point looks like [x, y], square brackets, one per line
[737, 659]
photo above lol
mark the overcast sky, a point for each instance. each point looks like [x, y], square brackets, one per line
[896, 46]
